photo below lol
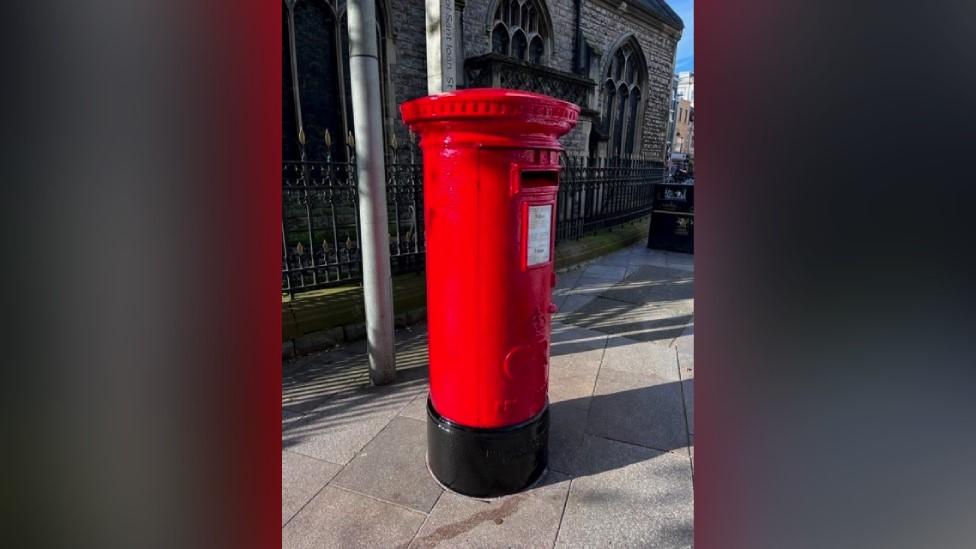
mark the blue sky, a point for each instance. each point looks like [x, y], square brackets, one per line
[686, 47]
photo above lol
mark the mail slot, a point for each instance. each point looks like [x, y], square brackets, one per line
[491, 172]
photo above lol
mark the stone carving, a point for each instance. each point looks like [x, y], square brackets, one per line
[498, 71]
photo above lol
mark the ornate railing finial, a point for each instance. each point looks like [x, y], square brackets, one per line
[350, 145]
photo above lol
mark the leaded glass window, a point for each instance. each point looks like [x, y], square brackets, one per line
[622, 90]
[519, 30]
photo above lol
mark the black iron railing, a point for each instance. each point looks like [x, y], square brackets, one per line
[320, 220]
[603, 192]
[320, 215]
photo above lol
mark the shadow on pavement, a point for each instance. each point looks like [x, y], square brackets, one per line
[651, 304]
[640, 424]
[331, 391]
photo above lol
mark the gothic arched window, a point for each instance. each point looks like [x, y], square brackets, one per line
[315, 65]
[520, 29]
[623, 85]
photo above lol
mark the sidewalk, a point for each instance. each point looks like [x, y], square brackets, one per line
[621, 442]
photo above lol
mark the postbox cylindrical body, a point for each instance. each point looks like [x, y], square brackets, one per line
[491, 172]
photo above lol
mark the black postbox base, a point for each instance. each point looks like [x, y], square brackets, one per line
[487, 463]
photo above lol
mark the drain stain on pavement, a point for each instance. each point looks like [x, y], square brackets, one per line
[450, 531]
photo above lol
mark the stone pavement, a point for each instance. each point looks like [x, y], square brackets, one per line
[621, 442]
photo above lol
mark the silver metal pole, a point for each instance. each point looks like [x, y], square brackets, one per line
[364, 76]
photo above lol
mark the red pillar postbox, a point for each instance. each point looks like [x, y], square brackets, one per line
[491, 171]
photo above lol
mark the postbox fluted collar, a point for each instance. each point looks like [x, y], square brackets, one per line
[520, 110]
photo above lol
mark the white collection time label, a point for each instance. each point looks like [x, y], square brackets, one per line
[540, 226]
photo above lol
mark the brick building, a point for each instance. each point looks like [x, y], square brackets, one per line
[684, 135]
[686, 86]
[613, 58]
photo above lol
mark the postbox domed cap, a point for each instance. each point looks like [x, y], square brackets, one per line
[495, 109]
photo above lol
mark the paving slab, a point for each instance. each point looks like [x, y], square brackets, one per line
[685, 351]
[320, 378]
[528, 519]
[645, 256]
[570, 303]
[632, 269]
[337, 431]
[572, 390]
[660, 322]
[566, 280]
[340, 411]
[648, 284]
[584, 362]
[588, 285]
[339, 518]
[573, 365]
[688, 388]
[417, 409]
[628, 496]
[301, 478]
[289, 420]
[619, 395]
[613, 273]
[681, 261]
[685, 347]
[392, 467]
[567, 339]
[624, 354]
[653, 260]
[616, 259]
[567, 429]
[558, 300]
